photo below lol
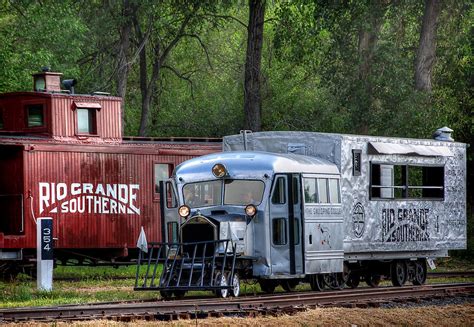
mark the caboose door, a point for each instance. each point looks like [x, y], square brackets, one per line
[285, 225]
[170, 219]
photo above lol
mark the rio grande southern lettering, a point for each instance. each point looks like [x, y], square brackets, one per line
[405, 225]
[88, 198]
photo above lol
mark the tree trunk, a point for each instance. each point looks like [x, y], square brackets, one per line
[252, 97]
[122, 65]
[368, 38]
[159, 55]
[426, 53]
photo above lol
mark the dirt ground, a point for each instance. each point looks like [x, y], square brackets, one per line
[451, 315]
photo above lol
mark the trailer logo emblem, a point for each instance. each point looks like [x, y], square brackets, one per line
[358, 220]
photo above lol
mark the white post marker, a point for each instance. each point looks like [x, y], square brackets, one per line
[44, 253]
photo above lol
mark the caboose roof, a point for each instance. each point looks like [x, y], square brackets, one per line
[247, 164]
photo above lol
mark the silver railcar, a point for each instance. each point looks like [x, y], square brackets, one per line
[329, 209]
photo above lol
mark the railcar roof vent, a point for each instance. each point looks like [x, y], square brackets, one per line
[443, 134]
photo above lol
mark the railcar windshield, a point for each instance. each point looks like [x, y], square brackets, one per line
[236, 192]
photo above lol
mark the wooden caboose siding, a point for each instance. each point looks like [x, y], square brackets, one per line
[64, 119]
[13, 110]
[60, 119]
[90, 230]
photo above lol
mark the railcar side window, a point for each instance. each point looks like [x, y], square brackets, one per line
[35, 115]
[323, 190]
[310, 195]
[279, 191]
[279, 231]
[406, 182]
[1, 119]
[160, 172]
[334, 195]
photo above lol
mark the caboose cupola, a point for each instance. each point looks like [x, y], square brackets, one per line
[47, 81]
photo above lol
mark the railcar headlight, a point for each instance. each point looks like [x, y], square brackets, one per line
[250, 210]
[219, 170]
[184, 211]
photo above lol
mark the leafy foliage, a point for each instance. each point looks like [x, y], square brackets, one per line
[332, 66]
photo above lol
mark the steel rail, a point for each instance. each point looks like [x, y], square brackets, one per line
[444, 274]
[191, 308]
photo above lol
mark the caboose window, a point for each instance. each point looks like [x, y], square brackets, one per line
[1, 119]
[406, 182]
[279, 231]
[35, 115]
[86, 121]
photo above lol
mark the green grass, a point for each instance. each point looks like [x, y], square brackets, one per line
[97, 284]
[453, 264]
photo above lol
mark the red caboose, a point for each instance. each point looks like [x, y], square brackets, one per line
[63, 156]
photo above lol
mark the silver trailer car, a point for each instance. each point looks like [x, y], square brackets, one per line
[329, 209]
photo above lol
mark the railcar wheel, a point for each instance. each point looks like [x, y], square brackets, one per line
[316, 282]
[335, 281]
[354, 280]
[372, 280]
[221, 280]
[166, 295]
[398, 273]
[267, 285]
[289, 285]
[420, 272]
[235, 291]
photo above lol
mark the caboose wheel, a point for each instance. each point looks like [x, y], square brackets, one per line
[398, 273]
[235, 291]
[221, 280]
[267, 285]
[166, 295]
[420, 272]
[316, 282]
[289, 285]
[372, 280]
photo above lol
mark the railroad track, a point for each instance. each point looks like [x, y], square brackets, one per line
[247, 305]
[449, 274]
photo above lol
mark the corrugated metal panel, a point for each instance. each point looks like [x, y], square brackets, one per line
[94, 229]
